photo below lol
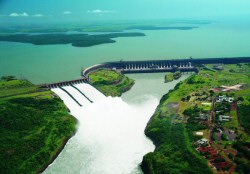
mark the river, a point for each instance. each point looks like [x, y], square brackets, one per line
[110, 137]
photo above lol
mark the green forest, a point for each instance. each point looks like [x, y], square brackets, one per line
[77, 40]
[35, 125]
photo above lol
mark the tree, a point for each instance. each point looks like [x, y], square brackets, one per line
[240, 98]
[8, 78]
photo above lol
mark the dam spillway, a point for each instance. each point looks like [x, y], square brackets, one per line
[80, 94]
[103, 122]
[110, 137]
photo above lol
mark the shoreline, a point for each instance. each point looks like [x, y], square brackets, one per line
[60, 149]
[110, 82]
[183, 113]
[161, 130]
[57, 153]
[41, 123]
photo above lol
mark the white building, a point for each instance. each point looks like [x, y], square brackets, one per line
[222, 98]
[224, 118]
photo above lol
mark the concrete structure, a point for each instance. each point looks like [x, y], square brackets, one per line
[153, 66]
[150, 66]
[65, 83]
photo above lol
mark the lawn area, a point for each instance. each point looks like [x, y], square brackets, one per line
[184, 106]
[205, 133]
[105, 76]
[14, 84]
[206, 106]
[34, 127]
[109, 82]
[234, 121]
[16, 87]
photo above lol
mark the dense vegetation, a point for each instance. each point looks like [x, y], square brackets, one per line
[244, 116]
[159, 28]
[34, 127]
[173, 129]
[172, 153]
[77, 40]
[192, 123]
[110, 83]
[243, 158]
[169, 77]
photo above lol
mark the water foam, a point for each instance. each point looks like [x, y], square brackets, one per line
[110, 138]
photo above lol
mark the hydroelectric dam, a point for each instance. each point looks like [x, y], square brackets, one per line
[84, 91]
[111, 131]
[154, 66]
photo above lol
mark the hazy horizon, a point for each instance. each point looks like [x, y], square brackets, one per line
[40, 11]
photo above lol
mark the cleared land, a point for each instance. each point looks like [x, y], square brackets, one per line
[35, 125]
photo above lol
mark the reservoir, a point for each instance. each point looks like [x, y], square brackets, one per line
[52, 63]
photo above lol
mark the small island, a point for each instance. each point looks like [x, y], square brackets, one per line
[35, 126]
[169, 77]
[77, 40]
[110, 82]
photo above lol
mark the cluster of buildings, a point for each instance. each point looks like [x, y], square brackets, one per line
[214, 158]
[223, 98]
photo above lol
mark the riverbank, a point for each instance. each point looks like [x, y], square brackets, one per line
[35, 126]
[110, 82]
[185, 116]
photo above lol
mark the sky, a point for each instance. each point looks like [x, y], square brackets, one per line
[91, 10]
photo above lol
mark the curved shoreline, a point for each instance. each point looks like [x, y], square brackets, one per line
[169, 140]
[60, 149]
[40, 127]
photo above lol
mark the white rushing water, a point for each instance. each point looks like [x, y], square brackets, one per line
[110, 138]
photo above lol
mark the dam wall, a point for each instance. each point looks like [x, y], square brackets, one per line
[64, 83]
[152, 66]
[93, 68]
